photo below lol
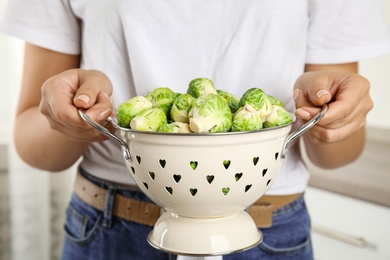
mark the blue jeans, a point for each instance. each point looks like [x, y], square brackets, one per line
[91, 234]
[287, 239]
[99, 235]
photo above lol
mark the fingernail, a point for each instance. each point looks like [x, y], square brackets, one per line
[321, 92]
[83, 98]
[303, 113]
[103, 115]
[296, 94]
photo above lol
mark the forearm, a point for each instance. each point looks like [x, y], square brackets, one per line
[42, 147]
[35, 140]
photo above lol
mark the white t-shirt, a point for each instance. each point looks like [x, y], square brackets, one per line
[142, 45]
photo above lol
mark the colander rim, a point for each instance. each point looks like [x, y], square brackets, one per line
[128, 130]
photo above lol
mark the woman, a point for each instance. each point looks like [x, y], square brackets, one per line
[94, 55]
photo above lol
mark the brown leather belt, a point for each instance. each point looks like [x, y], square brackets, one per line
[147, 213]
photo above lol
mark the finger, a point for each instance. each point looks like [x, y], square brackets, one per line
[349, 96]
[89, 88]
[77, 129]
[320, 134]
[312, 89]
[337, 113]
[331, 119]
[91, 84]
[102, 109]
[100, 113]
[307, 113]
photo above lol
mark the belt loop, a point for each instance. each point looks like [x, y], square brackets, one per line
[108, 206]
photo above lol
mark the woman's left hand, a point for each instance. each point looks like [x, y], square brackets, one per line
[348, 99]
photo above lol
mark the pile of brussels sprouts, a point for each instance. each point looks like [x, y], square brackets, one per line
[203, 109]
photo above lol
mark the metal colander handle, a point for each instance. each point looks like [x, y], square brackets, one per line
[303, 129]
[106, 132]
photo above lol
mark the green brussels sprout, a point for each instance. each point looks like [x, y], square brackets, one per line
[211, 114]
[162, 98]
[246, 119]
[278, 116]
[180, 108]
[128, 109]
[259, 100]
[175, 127]
[275, 101]
[201, 87]
[232, 100]
[149, 119]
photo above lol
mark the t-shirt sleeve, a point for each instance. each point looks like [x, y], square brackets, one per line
[49, 24]
[342, 31]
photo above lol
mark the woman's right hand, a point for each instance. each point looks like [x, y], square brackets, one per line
[65, 93]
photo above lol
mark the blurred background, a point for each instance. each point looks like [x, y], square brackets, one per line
[350, 206]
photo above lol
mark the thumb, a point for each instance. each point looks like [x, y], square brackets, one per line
[91, 84]
[312, 89]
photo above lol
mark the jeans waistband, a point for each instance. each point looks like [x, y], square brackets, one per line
[113, 200]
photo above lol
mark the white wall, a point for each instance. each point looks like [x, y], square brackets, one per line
[377, 70]
[11, 53]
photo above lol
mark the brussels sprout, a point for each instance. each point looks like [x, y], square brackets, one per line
[180, 108]
[130, 108]
[175, 127]
[149, 119]
[246, 119]
[210, 113]
[231, 99]
[201, 87]
[275, 101]
[259, 100]
[162, 98]
[278, 116]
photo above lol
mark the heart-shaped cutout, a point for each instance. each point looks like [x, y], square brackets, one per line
[177, 177]
[138, 159]
[276, 156]
[255, 160]
[226, 164]
[265, 171]
[238, 176]
[132, 169]
[146, 185]
[162, 163]
[152, 175]
[193, 191]
[193, 165]
[225, 190]
[247, 187]
[169, 189]
[210, 178]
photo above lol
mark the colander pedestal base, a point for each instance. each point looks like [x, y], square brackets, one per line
[204, 237]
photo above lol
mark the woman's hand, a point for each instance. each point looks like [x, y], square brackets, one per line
[65, 93]
[347, 95]
[339, 137]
